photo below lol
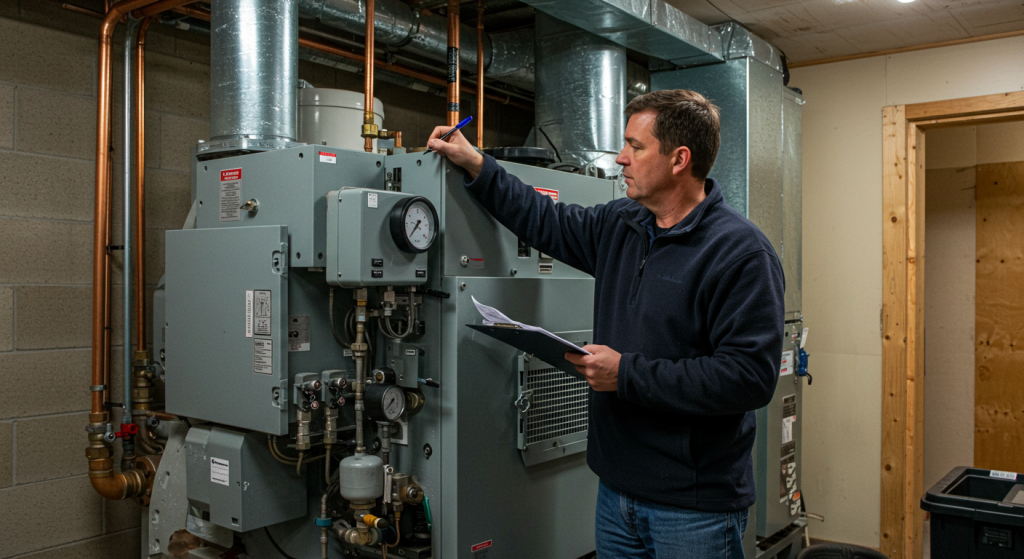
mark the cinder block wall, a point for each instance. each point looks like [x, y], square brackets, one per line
[47, 139]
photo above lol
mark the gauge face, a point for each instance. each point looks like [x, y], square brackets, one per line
[419, 227]
[414, 224]
[393, 403]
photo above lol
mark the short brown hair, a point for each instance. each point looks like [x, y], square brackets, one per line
[683, 118]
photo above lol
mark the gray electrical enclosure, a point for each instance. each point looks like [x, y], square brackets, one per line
[233, 482]
[360, 248]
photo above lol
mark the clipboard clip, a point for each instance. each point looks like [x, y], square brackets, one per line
[505, 325]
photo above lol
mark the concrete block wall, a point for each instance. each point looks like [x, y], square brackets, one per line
[47, 139]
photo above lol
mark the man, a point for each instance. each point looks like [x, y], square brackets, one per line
[689, 302]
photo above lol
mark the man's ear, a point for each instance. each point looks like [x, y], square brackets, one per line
[681, 160]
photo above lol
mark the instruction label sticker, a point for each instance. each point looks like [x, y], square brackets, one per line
[220, 470]
[1003, 475]
[263, 356]
[787, 363]
[231, 195]
[481, 550]
[261, 312]
[298, 333]
[248, 313]
[331, 158]
[553, 194]
[371, 199]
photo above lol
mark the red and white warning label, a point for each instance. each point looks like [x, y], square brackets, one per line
[553, 194]
[326, 157]
[231, 195]
[480, 550]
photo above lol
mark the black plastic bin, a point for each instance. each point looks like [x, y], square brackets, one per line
[976, 514]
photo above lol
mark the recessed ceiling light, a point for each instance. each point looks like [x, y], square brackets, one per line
[905, 1]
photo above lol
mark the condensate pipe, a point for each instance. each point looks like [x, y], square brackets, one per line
[318, 46]
[107, 484]
[480, 74]
[453, 62]
[369, 128]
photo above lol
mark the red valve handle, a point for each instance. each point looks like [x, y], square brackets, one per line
[127, 429]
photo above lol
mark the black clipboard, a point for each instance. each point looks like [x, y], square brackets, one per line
[544, 347]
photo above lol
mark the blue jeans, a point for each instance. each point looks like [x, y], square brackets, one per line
[628, 528]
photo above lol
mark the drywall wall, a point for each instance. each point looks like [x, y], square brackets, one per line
[842, 182]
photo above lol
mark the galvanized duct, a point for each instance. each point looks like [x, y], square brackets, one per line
[651, 27]
[581, 94]
[507, 57]
[254, 72]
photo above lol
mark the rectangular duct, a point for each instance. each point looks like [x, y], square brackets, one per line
[651, 27]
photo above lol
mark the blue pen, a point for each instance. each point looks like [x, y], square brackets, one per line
[464, 122]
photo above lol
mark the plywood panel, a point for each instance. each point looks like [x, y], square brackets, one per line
[999, 320]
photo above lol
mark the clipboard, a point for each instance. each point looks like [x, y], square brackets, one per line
[536, 343]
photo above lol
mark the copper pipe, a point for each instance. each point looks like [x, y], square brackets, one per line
[326, 48]
[81, 10]
[157, 8]
[99, 453]
[140, 190]
[369, 130]
[453, 62]
[480, 74]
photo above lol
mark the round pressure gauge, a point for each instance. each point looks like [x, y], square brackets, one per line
[414, 224]
[384, 402]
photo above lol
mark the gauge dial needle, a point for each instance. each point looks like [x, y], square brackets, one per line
[417, 225]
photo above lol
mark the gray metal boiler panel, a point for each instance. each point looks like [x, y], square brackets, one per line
[224, 363]
[541, 511]
[779, 425]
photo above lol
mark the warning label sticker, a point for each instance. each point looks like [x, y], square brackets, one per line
[328, 157]
[220, 470]
[231, 195]
[261, 312]
[787, 363]
[553, 194]
[480, 550]
[371, 200]
[298, 333]
[263, 356]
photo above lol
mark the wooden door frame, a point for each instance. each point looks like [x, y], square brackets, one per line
[903, 188]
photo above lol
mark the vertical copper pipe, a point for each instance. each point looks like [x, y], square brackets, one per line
[453, 62]
[480, 74]
[369, 129]
[140, 190]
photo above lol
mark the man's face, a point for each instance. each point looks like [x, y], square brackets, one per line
[648, 173]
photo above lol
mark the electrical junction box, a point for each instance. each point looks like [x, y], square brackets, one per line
[234, 482]
[363, 244]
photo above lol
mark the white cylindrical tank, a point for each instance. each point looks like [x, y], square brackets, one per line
[335, 116]
[361, 477]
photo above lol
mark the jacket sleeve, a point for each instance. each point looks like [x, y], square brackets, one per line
[746, 320]
[568, 232]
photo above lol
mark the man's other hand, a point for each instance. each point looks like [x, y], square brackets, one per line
[457, 149]
[600, 368]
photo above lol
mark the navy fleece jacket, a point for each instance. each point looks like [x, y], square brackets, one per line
[697, 314]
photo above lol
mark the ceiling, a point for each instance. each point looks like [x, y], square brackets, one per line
[815, 29]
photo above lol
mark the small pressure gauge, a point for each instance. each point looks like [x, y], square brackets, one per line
[384, 402]
[414, 224]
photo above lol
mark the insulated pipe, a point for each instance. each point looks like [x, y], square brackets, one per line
[254, 69]
[369, 130]
[325, 48]
[453, 62]
[140, 190]
[480, 74]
